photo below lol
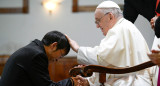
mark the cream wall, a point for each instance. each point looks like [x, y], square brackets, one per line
[17, 30]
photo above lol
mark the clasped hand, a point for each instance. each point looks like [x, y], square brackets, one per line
[80, 81]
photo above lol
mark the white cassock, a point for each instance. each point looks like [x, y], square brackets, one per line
[155, 69]
[123, 46]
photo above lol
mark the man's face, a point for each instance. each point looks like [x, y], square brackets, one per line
[54, 54]
[103, 21]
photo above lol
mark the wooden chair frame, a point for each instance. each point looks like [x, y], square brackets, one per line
[87, 71]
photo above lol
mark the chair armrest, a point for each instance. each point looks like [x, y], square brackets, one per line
[87, 71]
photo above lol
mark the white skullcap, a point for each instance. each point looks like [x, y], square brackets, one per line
[108, 4]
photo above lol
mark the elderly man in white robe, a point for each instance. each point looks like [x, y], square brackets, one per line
[122, 46]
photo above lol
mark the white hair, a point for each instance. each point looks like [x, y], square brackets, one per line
[115, 11]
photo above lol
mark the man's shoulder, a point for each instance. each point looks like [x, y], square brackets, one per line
[35, 47]
[29, 50]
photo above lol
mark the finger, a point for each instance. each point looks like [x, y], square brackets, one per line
[67, 37]
[155, 51]
[76, 67]
[158, 46]
[80, 65]
[152, 25]
[79, 77]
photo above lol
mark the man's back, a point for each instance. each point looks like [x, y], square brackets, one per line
[17, 69]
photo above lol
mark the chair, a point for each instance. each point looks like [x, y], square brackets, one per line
[87, 71]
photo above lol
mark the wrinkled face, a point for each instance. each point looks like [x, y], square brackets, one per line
[103, 21]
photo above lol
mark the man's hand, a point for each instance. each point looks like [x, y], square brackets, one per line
[80, 81]
[73, 44]
[155, 56]
[152, 22]
[79, 66]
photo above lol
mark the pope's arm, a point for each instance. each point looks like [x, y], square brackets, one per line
[89, 55]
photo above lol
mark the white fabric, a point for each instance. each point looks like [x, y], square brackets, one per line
[108, 4]
[156, 42]
[155, 70]
[123, 46]
[154, 74]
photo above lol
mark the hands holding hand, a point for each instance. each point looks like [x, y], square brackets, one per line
[80, 81]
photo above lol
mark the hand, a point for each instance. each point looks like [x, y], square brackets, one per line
[73, 44]
[155, 56]
[79, 66]
[80, 81]
[152, 22]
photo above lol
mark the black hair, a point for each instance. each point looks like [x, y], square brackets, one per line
[60, 38]
[157, 27]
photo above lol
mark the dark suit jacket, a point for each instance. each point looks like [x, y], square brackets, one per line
[157, 27]
[146, 8]
[28, 66]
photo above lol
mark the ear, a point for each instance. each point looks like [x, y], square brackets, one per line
[111, 16]
[54, 46]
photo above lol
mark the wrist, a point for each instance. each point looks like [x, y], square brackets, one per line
[72, 80]
[77, 49]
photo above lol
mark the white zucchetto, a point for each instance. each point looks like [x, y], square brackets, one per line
[108, 4]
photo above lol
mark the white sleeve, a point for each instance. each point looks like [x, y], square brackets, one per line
[87, 55]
